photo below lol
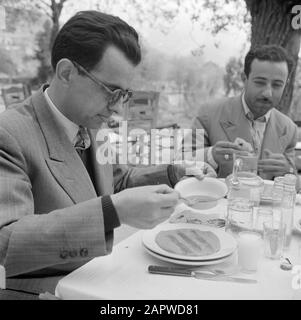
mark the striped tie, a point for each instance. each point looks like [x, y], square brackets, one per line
[82, 139]
[255, 132]
[81, 145]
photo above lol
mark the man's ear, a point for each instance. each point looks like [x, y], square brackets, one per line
[64, 69]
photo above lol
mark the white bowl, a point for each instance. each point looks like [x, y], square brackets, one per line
[214, 188]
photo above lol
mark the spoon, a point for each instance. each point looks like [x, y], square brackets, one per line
[191, 202]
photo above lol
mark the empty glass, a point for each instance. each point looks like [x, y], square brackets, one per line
[273, 236]
[263, 215]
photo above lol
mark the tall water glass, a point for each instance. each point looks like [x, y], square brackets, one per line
[273, 236]
[239, 215]
[277, 194]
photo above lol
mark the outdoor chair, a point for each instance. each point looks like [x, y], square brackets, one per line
[141, 112]
[15, 93]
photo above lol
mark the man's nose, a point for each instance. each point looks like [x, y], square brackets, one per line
[267, 93]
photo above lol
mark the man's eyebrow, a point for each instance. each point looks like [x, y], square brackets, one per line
[263, 78]
[259, 78]
[111, 86]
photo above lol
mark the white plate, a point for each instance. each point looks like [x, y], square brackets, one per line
[227, 242]
[186, 262]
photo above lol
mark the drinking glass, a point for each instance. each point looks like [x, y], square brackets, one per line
[239, 215]
[273, 236]
[249, 162]
[263, 215]
[249, 250]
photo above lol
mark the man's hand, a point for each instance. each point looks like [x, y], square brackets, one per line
[197, 169]
[223, 151]
[275, 163]
[145, 207]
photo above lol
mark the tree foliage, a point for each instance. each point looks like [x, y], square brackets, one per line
[43, 55]
[232, 79]
[31, 10]
[295, 111]
[266, 21]
[7, 65]
[270, 22]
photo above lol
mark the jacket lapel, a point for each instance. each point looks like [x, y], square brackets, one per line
[234, 122]
[103, 174]
[62, 159]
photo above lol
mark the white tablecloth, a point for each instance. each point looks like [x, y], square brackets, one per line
[124, 275]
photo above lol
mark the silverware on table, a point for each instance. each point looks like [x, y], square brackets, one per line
[174, 271]
[286, 264]
[191, 202]
[218, 222]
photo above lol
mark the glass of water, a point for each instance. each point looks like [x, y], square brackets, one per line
[239, 215]
[273, 237]
[249, 162]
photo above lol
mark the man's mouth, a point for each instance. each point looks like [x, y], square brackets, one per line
[265, 101]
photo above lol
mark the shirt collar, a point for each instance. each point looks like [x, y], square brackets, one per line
[70, 127]
[266, 116]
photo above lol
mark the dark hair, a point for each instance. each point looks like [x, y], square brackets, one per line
[85, 37]
[272, 53]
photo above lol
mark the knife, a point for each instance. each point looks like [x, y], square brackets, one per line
[173, 271]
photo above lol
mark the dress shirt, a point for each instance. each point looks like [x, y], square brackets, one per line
[257, 125]
[257, 130]
[70, 128]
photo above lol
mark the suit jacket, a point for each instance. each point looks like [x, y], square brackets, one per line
[224, 119]
[51, 217]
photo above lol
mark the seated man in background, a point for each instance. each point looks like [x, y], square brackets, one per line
[58, 206]
[252, 118]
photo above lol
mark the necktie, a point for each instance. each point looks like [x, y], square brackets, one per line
[257, 134]
[82, 139]
[81, 145]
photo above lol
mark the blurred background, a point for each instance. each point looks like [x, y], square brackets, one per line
[192, 49]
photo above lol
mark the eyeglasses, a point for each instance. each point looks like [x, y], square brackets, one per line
[115, 95]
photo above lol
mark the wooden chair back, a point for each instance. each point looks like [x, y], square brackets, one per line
[142, 110]
[15, 93]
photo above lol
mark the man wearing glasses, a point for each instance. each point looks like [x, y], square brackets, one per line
[58, 206]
